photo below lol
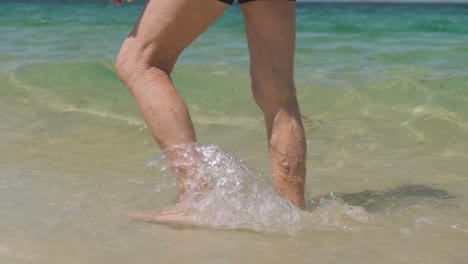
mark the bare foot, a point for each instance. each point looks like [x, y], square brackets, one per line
[176, 215]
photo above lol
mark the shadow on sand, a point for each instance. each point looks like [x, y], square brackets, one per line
[390, 199]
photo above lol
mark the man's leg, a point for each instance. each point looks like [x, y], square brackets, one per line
[270, 28]
[146, 59]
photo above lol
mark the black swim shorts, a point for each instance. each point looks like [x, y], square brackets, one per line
[232, 1]
[238, 1]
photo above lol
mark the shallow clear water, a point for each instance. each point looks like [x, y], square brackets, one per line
[384, 96]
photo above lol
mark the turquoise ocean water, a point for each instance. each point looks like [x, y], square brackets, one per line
[384, 96]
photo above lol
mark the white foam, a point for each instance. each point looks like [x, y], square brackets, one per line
[234, 195]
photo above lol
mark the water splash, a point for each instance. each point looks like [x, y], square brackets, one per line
[330, 211]
[223, 191]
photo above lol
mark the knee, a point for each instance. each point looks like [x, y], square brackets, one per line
[273, 93]
[124, 68]
[132, 68]
[128, 66]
